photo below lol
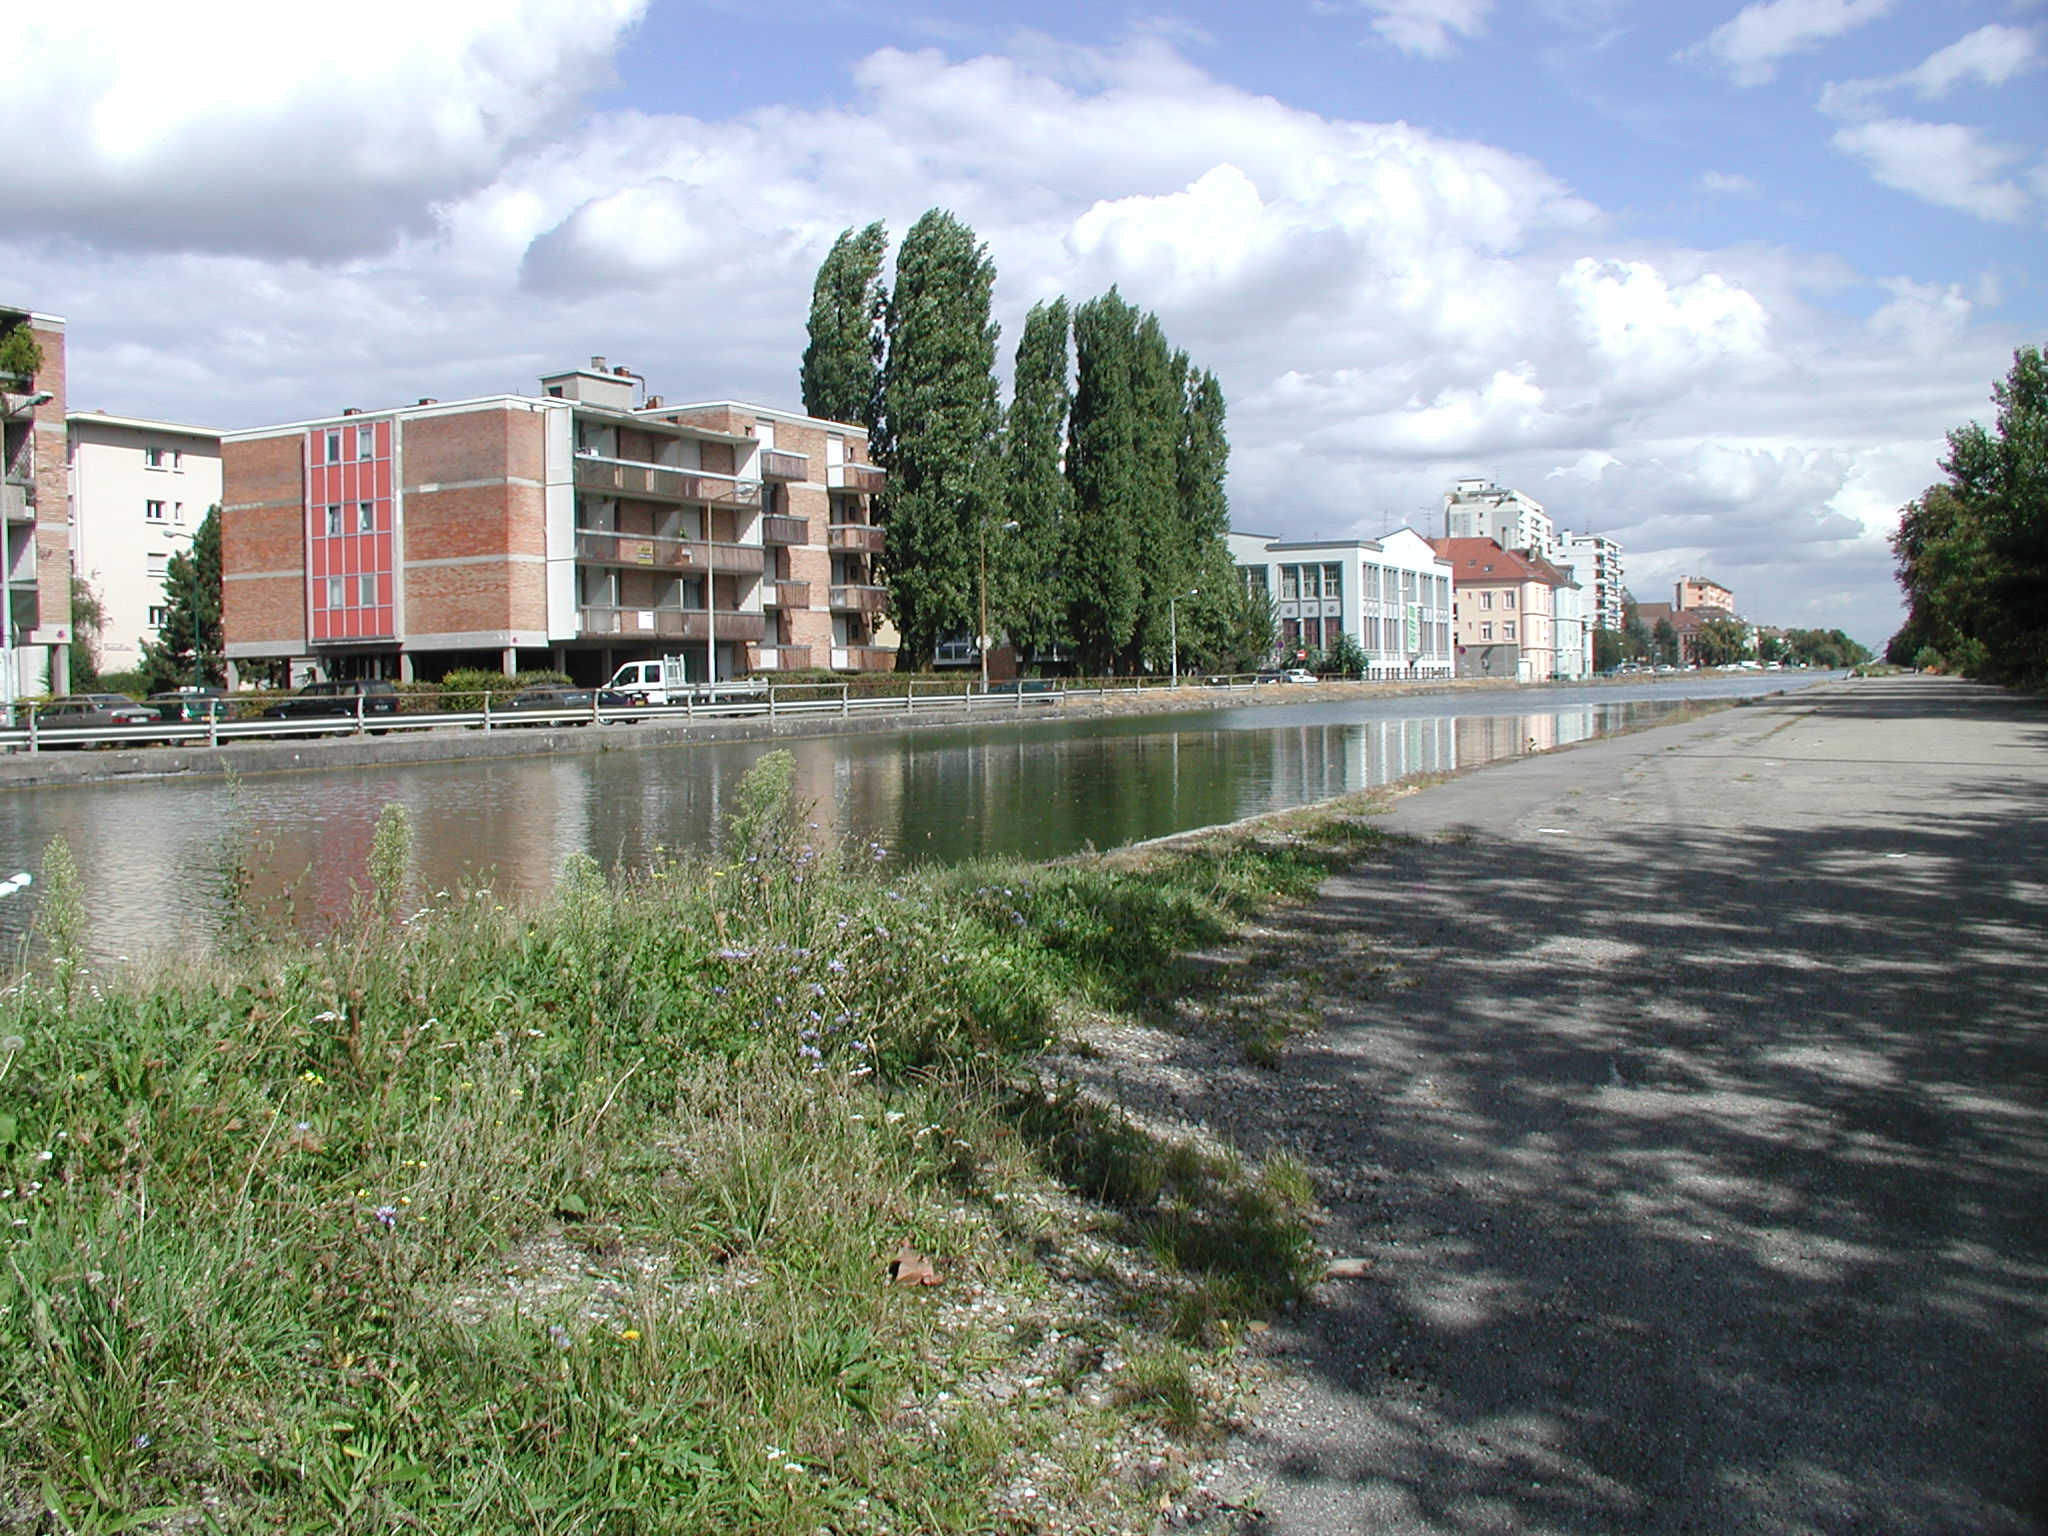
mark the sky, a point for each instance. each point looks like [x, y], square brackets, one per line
[1713, 279]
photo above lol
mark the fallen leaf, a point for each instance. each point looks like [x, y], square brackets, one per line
[1349, 1269]
[910, 1267]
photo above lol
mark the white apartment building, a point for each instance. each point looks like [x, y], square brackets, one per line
[1595, 563]
[1572, 627]
[139, 491]
[1479, 509]
[1392, 595]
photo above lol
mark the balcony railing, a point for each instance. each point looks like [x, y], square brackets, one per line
[657, 482]
[788, 594]
[862, 658]
[674, 624]
[864, 478]
[860, 599]
[778, 529]
[646, 549]
[782, 658]
[781, 464]
[855, 538]
[16, 503]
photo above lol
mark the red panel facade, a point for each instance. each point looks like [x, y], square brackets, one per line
[350, 559]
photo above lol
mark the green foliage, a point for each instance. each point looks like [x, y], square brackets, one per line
[1345, 657]
[1114, 503]
[1028, 565]
[1818, 648]
[842, 366]
[1664, 644]
[390, 861]
[1721, 643]
[465, 688]
[1610, 650]
[88, 618]
[20, 354]
[940, 423]
[1973, 553]
[189, 647]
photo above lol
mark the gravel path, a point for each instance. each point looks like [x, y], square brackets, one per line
[1686, 1095]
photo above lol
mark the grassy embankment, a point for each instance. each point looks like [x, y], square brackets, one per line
[580, 1218]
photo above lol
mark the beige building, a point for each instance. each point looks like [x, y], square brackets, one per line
[1696, 594]
[1504, 610]
[139, 490]
[35, 619]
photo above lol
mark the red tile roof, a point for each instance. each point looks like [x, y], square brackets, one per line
[1482, 560]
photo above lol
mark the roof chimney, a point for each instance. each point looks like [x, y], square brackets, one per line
[352, 410]
[426, 400]
[597, 365]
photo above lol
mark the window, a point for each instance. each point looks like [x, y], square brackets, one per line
[159, 616]
[366, 517]
[1507, 631]
[163, 458]
[1507, 599]
[156, 511]
[366, 442]
[366, 591]
[1486, 631]
[337, 596]
[334, 522]
[1290, 582]
[159, 567]
[333, 446]
[1486, 599]
[1333, 583]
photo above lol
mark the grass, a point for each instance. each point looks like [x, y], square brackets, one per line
[577, 1219]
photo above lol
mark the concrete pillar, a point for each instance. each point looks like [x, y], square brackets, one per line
[510, 662]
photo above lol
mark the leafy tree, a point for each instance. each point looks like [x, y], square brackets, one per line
[1610, 650]
[1823, 648]
[1214, 623]
[939, 431]
[20, 354]
[1345, 657]
[88, 618]
[842, 367]
[1973, 553]
[188, 645]
[1664, 643]
[1770, 648]
[1028, 565]
[1635, 634]
[1103, 462]
[1721, 643]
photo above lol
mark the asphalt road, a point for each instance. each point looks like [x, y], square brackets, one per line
[1696, 1140]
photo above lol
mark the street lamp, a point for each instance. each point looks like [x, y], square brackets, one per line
[1173, 629]
[981, 638]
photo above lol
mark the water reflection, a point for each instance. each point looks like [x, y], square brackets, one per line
[152, 857]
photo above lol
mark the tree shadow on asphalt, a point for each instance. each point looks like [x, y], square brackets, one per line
[1702, 1179]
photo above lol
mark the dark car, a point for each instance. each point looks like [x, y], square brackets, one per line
[93, 712]
[188, 705]
[578, 702]
[342, 696]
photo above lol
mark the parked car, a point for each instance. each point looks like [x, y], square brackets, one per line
[565, 701]
[1290, 675]
[378, 696]
[93, 712]
[189, 704]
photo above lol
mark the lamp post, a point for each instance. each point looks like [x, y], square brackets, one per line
[1173, 628]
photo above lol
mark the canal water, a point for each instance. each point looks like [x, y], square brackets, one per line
[152, 857]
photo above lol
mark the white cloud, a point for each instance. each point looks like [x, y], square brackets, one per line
[1992, 55]
[1750, 45]
[245, 125]
[1947, 164]
[1425, 28]
[1727, 184]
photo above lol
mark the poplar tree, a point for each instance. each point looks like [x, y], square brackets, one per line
[1167, 567]
[1103, 583]
[1222, 625]
[938, 430]
[1033, 554]
[842, 367]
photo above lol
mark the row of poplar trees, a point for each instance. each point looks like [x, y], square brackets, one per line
[1090, 510]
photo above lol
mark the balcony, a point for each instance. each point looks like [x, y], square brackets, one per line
[778, 529]
[854, 539]
[600, 547]
[860, 599]
[862, 658]
[657, 482]
[782, 658]
[780, 464]
[864, 478]
[788, 594]
[674, 624]
[17, 502]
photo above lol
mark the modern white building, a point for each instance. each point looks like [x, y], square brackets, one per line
[139, 491]
[1595, 563]
[1392, 595]
[1479, 509]
[1572, 627]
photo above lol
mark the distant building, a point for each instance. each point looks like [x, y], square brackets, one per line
[1479, 509]
[1506, 610]
[139, 491]
[1595, 563]
[1392, 595]
[35, 619]
[572, 529]
[1696, 594]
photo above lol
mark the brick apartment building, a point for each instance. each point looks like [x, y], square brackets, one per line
[35, 563]
[572, 529]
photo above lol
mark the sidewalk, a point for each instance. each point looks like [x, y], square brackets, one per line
[1697, 1140]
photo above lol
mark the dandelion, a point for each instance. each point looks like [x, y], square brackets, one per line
[312, 1079]
[13, 1045]
[631, 1335]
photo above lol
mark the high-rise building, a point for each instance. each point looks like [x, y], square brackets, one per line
[1595, 563]
[1479, 509]
[573, 529]
[35, 619]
